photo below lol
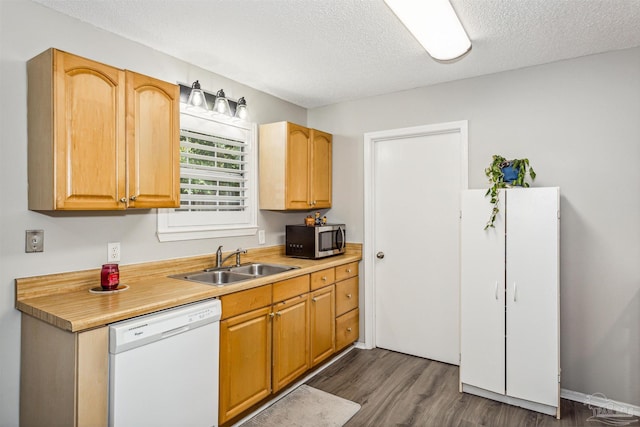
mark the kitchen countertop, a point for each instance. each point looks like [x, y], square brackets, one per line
[64, 300]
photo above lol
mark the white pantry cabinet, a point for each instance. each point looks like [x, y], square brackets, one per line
[509, 298]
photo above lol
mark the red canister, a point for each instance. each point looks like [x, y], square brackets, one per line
[109, 276]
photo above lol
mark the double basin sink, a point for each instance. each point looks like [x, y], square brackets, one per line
[228, 275]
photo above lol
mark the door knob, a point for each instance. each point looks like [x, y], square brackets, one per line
[380, 255]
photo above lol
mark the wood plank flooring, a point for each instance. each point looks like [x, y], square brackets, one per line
[396, 389]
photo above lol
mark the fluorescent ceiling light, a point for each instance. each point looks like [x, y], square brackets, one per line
[435, 25]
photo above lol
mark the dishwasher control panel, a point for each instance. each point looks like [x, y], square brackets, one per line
[162, 324]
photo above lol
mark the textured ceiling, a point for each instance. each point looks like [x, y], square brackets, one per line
[319, 52]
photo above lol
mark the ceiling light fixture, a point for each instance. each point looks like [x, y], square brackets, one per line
[199, 101]
[435, 25]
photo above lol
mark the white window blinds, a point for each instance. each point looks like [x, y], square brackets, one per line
[212, 172]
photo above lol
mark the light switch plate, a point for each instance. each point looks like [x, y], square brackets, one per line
[261, 237]
[34, 241]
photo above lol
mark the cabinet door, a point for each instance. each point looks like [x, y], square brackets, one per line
[532, 294]
[290, 340]
[321, 171]
[245, 361]
[323, 332]
[153, 141]
[89, 105]
[482, 319]
[297, 184]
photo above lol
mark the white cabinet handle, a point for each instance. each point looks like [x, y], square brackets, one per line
[496, 290]
[515, 291]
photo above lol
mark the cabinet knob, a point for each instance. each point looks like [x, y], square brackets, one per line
[271, 315]
[123, 200]
[278, 314]
[324, 278]
[348, 329]
[133, 198]
[314, 299]
[348, 295]
[348, 270]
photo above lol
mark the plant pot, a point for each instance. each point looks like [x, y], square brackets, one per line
[510, 173]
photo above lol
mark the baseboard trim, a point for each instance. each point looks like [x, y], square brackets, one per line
[601, 401]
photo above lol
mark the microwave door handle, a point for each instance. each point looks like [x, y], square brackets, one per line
[341, 231]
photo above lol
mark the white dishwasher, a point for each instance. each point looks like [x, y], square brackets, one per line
[163, 368]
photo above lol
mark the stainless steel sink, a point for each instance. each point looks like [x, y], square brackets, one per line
[261, 269]
[219, 278]
[229, 275]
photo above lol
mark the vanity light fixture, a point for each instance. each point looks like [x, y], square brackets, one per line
[241, 109]
[221, 104]
[435, 25]
[204, 102]
[197, 99]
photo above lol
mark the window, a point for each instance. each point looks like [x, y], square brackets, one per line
[217, 181]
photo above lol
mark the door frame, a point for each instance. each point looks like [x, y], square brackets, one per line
[369, 245]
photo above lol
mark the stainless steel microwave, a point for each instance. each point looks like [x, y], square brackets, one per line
[315, 242]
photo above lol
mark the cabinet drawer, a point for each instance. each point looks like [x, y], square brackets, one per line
[244, 301]
[290, 288]
[322, 278]
[347, 270]
[346, 295]
[347, 329]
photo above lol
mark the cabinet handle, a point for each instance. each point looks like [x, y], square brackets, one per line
[123, 200]
[515, 291]
[348, 329]
[348, 270]
[496, 290]
[324, 278]
[348, 295]
[271, 315]
[314, 299]
[278, 314]
[133, 198]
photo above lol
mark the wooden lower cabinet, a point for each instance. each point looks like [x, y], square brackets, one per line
[347, 329]
[322, 328]
[245, 361]
[273, 334]
[64, 376]
[290, 340]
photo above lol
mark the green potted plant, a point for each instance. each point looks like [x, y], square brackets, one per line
[503, 173]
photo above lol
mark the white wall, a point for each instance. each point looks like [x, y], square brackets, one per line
[79, 241]
[578, 122]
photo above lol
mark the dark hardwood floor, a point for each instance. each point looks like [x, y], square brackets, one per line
[396, 389]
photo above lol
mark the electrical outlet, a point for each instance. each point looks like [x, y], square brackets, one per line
[261, 237]
[113, 252]
[34, 241]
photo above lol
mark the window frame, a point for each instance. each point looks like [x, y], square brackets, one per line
[175, 226]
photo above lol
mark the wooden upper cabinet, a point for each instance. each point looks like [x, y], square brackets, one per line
[98, 135]
[295, 167]
[153, 142]
[321, 143]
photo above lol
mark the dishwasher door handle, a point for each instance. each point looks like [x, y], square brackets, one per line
[176, 331]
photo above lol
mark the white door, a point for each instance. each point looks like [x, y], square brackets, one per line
[532, 294]
[482, 274]
[418, 175]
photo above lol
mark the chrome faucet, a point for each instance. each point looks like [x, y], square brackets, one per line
[220, 260]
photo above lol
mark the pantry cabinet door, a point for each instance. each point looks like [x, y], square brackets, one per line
[532, 294]
[89, 100]
[482, 319]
